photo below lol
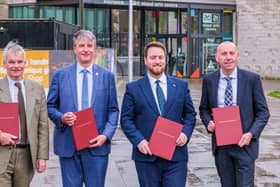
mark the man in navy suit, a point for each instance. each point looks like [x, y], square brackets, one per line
[235, 163]
[65, 97]
[140, 110]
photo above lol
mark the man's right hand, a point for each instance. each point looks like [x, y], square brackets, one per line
[7, 139]
[143, 147]
[68, 118]
[211, 126]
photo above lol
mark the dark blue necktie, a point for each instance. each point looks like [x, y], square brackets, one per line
[228, 92]
[160, 97]
[85, 90]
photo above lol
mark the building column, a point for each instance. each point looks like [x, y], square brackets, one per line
[3, 9]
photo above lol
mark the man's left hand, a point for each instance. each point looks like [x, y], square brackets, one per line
[182, 140]
[98, 141]
[41, 165]
[245, 139]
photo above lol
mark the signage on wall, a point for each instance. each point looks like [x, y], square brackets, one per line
[158, 4]
[211, 23]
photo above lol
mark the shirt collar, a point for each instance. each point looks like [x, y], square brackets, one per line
[12, 82]
[233, 75]
[80, 68]
[162, 79]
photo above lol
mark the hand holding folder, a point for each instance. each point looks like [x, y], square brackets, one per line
[9, 118]
[228, 127]
[163, 140]
[84, 128]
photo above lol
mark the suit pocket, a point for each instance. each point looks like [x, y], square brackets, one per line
[5, 155]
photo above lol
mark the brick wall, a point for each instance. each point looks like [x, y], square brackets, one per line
[258, 36]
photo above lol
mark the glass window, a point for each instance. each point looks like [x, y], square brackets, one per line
[22, 12]
[172, 22]
[69, 15]
[211, 22]
[59, 14]
[101, 27]
[115, 20]
[195, 21]
[150, 22]
[48, 12]
[184, 22]
[120, 31]
[89, 19]
[209, 46]
[228, 23]
[163, 22]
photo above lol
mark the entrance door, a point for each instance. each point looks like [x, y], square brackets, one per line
[203, 56]
[176, 46]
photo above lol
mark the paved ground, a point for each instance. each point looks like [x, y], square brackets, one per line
[201, 169]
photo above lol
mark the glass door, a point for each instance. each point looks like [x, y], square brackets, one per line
[176, 47]
[209, 47]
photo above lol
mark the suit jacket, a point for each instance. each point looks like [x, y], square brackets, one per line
[140, 112]
[250, 98]
[62, 98]
[36, 118]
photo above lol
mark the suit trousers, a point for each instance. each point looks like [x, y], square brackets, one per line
[162, 173]
[235, 166]
[19, 171]
[83, 167]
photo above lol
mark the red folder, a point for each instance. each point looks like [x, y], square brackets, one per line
[9, 118]
[228, 126]
[163, 140]
[84, 128]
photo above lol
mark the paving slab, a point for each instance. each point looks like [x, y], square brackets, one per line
[201, 168]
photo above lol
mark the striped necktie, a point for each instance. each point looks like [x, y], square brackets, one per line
[228, 92]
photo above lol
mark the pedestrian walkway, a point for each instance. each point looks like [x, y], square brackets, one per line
[201, 168]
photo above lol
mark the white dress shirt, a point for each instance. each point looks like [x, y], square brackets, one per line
[163, 85]
[222, 87]
[80, 76]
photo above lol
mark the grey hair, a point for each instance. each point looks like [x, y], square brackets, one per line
[13, 47]
[81, 34]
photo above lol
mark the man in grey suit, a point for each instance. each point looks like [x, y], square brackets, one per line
[235, 163]
[21, 156]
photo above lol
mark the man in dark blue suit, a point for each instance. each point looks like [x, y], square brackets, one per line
[67, 95]
[235, 163]
[140, 110]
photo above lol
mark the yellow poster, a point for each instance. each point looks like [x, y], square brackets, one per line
[37, 67]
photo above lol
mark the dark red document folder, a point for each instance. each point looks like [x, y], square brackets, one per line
[9, 118]
[163, 140]
[84, 128]
[228, 125]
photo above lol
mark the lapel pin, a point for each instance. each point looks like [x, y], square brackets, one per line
[96, 73]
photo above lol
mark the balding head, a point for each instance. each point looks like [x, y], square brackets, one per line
[224, 44]
[227, 57]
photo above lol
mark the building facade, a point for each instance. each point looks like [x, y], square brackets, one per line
[190, 29]
[258, 36]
